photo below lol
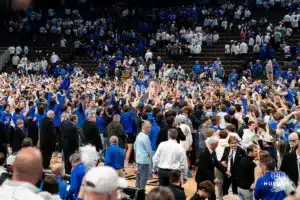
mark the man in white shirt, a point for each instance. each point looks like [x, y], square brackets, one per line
[222, 115]
[11, 50]
[244, 48]
[287, 20]
[148, 55]
[227, 49]
[63, 42]
[19, 50]
[181, 73]
[247, 13]
[44, 62]
[24, 60]
[152, 68]
[224, 24]
[215, 37]
[170, 156]
[237, 49]
[258, 39]
[249, 135]
[54, 58]
[15, 60]
[232, 48]
[27, 171]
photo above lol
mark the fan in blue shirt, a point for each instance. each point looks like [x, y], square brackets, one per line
[197, 68]
[114, 156]
[77, 175]
[40, 115]
[18, 114]
[127, 119]
[6, 116]
[266, 186]
[100, 122]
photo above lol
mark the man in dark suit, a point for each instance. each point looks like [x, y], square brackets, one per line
[69, 140]
[19, 136]
[290, 163]
[208, 161]
[91, 132]
[47, 138]
[231, 160]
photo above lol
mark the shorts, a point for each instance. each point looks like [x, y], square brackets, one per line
[130, 139]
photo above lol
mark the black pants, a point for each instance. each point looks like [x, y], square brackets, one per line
[163, 177]
[47, 154]
[33, 131]
[67, 155]
[58, 146]
[226, 185]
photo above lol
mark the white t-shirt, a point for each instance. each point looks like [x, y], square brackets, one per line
[44, 63]
[63, 43]
[15, 60]
[11, 50]
[188, 134]
[18, 50]
[148, 55]
[54, 58]
[222, 119]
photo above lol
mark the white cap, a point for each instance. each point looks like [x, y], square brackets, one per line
[168, 106]
[105, 179]
[267, 138]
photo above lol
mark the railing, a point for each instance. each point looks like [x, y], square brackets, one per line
[4, 58]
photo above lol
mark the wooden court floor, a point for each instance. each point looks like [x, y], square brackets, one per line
[189, 187]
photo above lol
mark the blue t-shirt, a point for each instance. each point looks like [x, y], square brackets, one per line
[266, 188]
[126, 120]
[100, 124]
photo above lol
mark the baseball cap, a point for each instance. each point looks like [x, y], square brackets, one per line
[104, 179]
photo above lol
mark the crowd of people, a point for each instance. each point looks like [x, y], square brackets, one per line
[194, 124]
[232, 133]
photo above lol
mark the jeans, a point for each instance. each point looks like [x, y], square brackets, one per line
[245, 194]
[142, 175]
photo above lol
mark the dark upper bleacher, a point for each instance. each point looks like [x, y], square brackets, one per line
[44, 43]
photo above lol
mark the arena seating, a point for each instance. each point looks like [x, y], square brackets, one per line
[44, 45]
[209, 54]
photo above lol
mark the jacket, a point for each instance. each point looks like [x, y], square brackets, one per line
[114, 157]
[48, 196]
[15, 190]
[116, 129]
[289, 165]
[69, 137]
[76, 178]
[18, 138]
[245, 174]
[207, 162]
[47, 137]
[240, 153]
[197, 197]
[178, 192]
